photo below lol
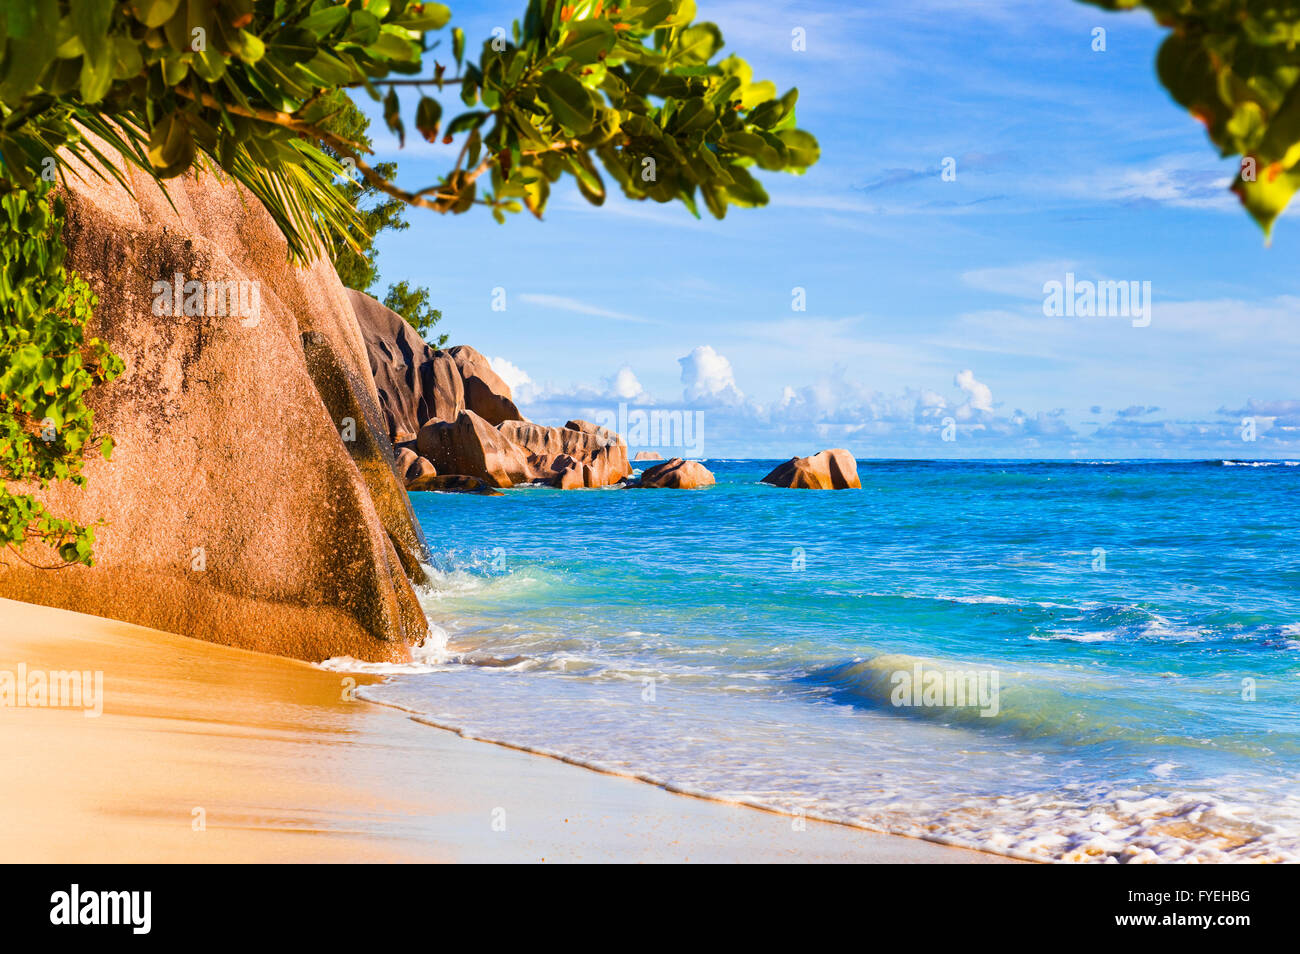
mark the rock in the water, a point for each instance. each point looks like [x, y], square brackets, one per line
[453, 484]
[485, 393]
[412, 466]
[606, 458]
[416, 383]
[678, 474]
[472, 447]
[234, 509]
[647, 455]
[830, 470]
[564, 472]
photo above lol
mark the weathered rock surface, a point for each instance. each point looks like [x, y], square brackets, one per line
[416, 383]
[485, 393]
[412, 466]
[647, 455]
[235, 512]
[454, 484]
[829, 470]
[603, 433]
[600, 450]
[677, 474]
[561, 471]
[471, 447]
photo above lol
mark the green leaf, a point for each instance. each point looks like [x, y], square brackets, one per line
[325, 20]
[393, 115]
[467, 121]
[458, 45]
[588, 41]
[428, 116]
[90, 21]
[569, 101]
[588, 179]
[433, 16]
[153, 13]
[801, 148]
[697, 44]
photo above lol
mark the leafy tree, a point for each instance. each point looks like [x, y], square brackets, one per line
[251, 87]
[413, 305]
[1234, 65]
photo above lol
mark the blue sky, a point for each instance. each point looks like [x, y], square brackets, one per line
[924, 296]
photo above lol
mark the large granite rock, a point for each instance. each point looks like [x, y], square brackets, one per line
[471, 447]
[830, 470]
[600, 450]
[416, 383]
[235, 510]
[485, 393]
[677, 474]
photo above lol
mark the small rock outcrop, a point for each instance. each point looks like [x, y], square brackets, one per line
[830, 470]
[412, 466]
[599, 449]
[677, 474]
[470, 447]
[485, 393]
[566, 473]
[647, 455]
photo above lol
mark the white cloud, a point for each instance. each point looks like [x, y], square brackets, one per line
[513, 375]
[981, 397]
[565, 303]
[1189, 182]
[624, 385]
[566, 401]
[707, 376]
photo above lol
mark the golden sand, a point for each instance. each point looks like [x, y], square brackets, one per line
[207, 753]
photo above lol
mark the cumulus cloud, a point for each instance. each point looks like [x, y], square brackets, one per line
[624, 386]
[551, 403]
[707, 377]
[979, 396]
[513, 375]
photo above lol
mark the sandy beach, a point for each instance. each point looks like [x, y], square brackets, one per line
[209, 754]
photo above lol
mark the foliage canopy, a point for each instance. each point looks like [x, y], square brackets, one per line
[1234, 65]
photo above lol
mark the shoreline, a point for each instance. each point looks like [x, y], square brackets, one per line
[205, 753]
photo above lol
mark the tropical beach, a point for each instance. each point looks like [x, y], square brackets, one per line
[208, 754]
[648, 432]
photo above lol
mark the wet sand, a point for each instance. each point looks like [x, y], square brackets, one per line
[209, 754]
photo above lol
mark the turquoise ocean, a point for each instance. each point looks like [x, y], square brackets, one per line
[1135, 627]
